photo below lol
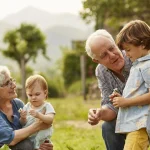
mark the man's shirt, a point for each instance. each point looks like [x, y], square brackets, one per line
[107, 81]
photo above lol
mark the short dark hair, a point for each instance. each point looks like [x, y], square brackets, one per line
[135, 32]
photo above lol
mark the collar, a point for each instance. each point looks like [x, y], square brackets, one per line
[144, 58]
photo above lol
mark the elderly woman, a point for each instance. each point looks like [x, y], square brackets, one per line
[11, 131]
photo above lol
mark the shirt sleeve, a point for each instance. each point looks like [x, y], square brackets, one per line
[49, 108]
[106, 88]
[146, 77]
[6, 132]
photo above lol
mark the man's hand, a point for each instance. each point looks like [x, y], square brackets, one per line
[94, 116]
[46, 146]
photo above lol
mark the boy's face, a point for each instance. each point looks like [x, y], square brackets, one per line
[36, 95]
[134, 52]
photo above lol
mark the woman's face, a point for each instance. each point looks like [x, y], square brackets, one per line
[8, 89]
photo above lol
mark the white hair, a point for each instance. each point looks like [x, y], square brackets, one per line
[3, 72]
[97, 33]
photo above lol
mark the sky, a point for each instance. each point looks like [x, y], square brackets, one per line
[8, 7]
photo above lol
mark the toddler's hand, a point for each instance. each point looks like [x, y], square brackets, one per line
[23, 114]
[33, 113]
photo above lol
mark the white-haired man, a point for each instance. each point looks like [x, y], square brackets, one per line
[112, 72]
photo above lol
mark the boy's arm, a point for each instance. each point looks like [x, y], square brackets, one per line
[135, 101]
[139, 100]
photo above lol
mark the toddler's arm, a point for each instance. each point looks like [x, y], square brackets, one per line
[48, 118]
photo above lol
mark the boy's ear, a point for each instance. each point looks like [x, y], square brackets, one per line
[95, 60]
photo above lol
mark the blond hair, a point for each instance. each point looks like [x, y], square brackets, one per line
[30, 82]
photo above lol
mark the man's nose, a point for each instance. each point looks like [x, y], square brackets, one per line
[111, 54]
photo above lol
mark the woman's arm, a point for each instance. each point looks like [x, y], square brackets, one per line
[21, 134]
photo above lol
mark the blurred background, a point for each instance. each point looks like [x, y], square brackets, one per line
[48, 37]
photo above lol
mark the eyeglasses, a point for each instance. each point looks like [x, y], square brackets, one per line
[9, 83]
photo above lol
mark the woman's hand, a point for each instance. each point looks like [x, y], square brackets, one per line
[46, 146]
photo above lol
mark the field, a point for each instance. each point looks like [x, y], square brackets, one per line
[71, 130]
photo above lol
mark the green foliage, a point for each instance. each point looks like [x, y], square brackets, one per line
[71, 70]
[121, 11]
[71, 64]
[76, 89]
[4, 147]
[24, 43]
[55, 84]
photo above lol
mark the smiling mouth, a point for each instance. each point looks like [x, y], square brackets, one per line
[115, 61]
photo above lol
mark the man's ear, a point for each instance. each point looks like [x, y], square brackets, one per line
[95, 60]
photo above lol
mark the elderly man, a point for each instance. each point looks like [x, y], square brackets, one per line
[112, 72]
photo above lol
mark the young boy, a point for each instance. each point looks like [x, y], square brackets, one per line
[37, 108]
[134, 38]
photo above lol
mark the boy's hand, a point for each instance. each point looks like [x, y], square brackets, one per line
[119, 102]
[114, 94]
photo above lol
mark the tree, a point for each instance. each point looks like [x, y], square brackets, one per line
[23, 44]
[103, 12]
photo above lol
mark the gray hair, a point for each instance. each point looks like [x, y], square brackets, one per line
[3, 72]
[97, 33]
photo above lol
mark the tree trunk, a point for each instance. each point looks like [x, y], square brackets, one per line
[23, 78]
[83, 75]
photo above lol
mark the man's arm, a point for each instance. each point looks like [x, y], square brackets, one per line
[107, 114]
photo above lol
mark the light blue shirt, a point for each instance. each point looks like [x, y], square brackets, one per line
[134, 118]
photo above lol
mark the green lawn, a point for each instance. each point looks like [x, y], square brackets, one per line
[71, 130]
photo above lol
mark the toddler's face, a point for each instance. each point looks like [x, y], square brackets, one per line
[36, 95]
[134, 52]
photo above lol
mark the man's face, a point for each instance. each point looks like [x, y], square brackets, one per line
[107, 53]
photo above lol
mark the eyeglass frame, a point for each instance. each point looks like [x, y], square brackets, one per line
[9, 83]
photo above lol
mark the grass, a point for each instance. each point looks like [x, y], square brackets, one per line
[71, 130]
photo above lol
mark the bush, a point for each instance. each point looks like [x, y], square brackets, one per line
[76, 87]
